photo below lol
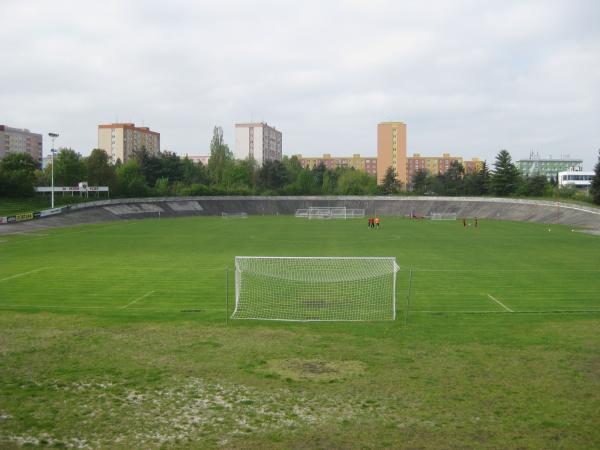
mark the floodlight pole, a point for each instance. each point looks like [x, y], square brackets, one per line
[53, 136]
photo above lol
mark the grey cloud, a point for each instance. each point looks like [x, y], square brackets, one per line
[468, 77]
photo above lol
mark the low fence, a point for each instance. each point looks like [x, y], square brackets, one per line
[33, 215]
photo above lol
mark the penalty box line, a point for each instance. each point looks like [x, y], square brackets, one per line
[500, 303]
[147, 294]
[19, 275]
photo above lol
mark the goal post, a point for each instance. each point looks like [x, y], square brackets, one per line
[330, 212]
[234, 215]
[327, 212]
[443, 216]
[315, 288]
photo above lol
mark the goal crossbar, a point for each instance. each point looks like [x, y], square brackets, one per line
[443, 216]
[330, 212]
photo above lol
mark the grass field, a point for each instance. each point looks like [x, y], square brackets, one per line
[114, 336]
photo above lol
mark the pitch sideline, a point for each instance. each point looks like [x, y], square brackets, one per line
[22, 274]
[147, 294]
[500, 303]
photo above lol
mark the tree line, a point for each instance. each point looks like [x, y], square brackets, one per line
[167, 174]
[504, 181]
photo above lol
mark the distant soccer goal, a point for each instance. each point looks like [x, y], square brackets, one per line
[355, 213]
[234, 215]
[443, 216]
[315, 288]
[326, 212]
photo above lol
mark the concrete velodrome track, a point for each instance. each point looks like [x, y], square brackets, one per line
[482, 207]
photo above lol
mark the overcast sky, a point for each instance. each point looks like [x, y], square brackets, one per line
[468, 77]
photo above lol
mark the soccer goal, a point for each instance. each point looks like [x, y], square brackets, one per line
[234, 215]
[443, 216]
[315, 288]
[326, 212]
[302, 213]
[355, 213]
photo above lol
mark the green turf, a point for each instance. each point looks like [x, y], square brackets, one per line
[113, 335]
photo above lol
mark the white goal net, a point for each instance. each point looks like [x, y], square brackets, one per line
[443, 216]
[315, 288]
[319, 212]
[330, 212]
[234, 215]
[355, 213]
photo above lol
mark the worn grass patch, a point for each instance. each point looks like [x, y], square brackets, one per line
[314, 370]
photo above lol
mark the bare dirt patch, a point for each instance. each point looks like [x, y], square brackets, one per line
[316, 370]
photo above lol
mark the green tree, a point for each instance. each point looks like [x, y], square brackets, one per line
[327, 185]
[17, 175]
[436, 184]
[535, 186]
[390, 184]
[505, 179]
[165, 164]
[99, 170]
[194, 173]
[419, 182]
[453, 179]
[130, 181]
[595, 187]
[171, 166]
[240, 174]
[161, 187]
[271, 176]
[69, 168]
[355, 182]
[319, 173]
[306, 183]
[483, 180]
[293, 167]
[220, 156]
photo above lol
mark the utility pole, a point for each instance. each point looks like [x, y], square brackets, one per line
[52, 150]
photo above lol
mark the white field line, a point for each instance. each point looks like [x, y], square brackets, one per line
[505, 270]
[450, 311]
[500, 303]
[138, 299]
[22, 274]
[109, 308]
[541, 311]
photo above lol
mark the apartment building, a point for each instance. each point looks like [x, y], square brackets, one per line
[438, 165]
[391, 150]
[122, 140]
[259, 141]
[472, 165]
[203, 159]
[20, 140]
[367, 164]
[548, 166]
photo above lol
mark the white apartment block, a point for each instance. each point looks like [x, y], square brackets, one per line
[20, 140]
[122, 140]
[259, 141]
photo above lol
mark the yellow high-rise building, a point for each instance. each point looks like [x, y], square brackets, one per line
[391, 150]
